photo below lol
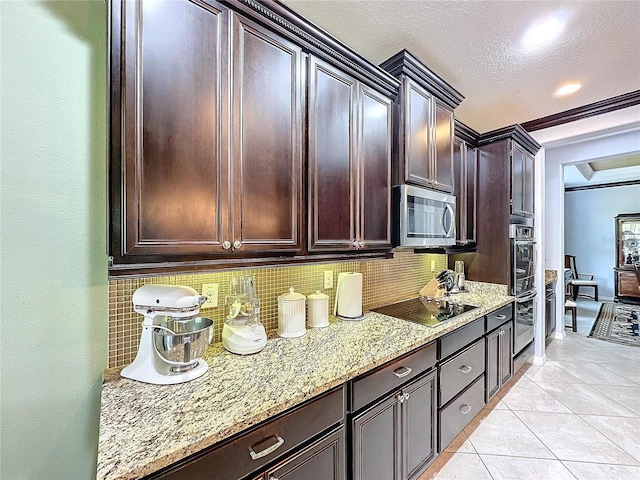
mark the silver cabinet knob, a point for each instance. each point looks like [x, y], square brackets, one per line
[237, 244]
[226, 244]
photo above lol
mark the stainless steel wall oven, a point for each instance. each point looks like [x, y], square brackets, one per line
[523, 246]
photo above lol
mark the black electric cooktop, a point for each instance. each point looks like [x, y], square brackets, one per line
[425, 311]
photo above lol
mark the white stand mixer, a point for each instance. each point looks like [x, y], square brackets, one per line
[242, 332]
[170, 355]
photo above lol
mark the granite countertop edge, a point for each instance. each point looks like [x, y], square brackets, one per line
[158, 425]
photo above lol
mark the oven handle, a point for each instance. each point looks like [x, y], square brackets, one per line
[525, 242]
[533, 293]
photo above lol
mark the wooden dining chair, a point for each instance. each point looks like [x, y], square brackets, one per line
[570, 305]
[580, 279]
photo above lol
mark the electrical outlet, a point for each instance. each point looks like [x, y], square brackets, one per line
[328, 279]
[433, 265]
[210, 290]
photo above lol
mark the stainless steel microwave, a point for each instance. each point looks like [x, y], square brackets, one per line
[423, 218]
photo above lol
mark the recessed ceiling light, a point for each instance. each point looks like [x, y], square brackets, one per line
[543, 32]
[568, 89]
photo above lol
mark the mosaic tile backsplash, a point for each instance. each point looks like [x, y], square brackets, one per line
[384, 281]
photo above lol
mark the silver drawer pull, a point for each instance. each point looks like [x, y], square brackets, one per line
[401, 372]
[464, 409]
[465, 368]
[500, 317]
[268, 450]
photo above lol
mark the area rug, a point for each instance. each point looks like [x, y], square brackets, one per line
[617, 323]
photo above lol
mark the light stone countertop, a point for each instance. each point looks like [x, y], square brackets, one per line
[144, 427]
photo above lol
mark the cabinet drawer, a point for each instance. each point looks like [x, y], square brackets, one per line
[390, 376]
[253, 450]
[460, 412]
[461, 370]
[522, 358]
[497, 318]
[460, 338]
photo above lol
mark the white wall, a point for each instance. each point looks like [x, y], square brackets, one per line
[590, 230]
[614, 133]
[53, 280]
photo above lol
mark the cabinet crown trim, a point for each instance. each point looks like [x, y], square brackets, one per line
[465, 133]
[322, 42]
[514, 132]
[405, 63]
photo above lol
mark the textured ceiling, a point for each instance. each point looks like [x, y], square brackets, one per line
[475, 47]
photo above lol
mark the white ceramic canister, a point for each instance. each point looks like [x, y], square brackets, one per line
[318, 305]
[291, 314]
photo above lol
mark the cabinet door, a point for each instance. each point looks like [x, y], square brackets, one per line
[492, 372]
[628, 285]
[332, 157]
[323, 460]
[417, 124]
[471, 182]
[465, 175]
[528, 186]
[518, 156]
[266, 156]
[419, 426]
[374, 170]
[169, 176]
[459, 188]
[550, 315]
[375, 437]
[443, 147]
[506, 353]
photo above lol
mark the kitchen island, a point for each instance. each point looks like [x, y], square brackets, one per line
[144, 428]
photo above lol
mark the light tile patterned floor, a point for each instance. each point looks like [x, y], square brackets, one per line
[576, 417]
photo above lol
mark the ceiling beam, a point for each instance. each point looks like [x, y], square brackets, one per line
[586, 170]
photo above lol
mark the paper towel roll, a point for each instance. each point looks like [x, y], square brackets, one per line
[348, 304]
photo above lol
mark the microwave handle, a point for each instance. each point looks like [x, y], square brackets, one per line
[448, 209]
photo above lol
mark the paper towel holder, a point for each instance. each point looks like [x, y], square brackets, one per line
[348, 302]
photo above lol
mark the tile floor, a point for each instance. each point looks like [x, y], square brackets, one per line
[576, 417]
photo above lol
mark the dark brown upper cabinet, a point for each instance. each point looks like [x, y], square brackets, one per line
[522, 196]
[500, 182]
[465, 170]
[211, 151]
[208, 135]
[423, 125]
[513, 150]
[349, 162]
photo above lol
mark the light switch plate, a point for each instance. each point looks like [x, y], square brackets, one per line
[210, 290]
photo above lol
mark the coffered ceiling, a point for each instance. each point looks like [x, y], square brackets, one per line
[477, 47]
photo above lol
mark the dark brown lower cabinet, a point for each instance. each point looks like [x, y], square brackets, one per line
[396, 438]
[288, 441]
[322, 460]
[499, 358]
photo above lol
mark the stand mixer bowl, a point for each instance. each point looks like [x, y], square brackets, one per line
[190, 339]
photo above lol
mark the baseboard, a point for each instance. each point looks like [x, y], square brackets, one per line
[559, 335]
[539, 360]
